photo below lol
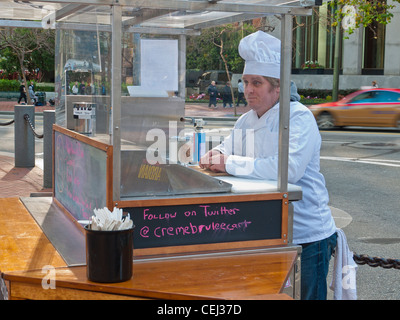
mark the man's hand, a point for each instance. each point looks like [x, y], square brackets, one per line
[214, 161]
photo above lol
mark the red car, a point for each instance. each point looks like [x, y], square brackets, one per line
[369, 108]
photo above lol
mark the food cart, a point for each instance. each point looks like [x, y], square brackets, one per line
[197, 235]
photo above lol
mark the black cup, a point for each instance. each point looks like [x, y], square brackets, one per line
[109, 255]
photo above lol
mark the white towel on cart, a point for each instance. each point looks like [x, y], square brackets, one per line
[344, 270]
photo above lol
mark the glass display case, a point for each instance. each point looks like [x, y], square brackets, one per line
[145, 124]
[120, 97]
[120, 79]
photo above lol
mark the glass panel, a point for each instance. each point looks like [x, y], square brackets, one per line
[153, 151]
[374, 46]
[180, 14]
[387, 96]
[314, 39]
[151, 109]
[156, 154]
[365, 97]
[307, 41]
[83, 79]
[376, 97]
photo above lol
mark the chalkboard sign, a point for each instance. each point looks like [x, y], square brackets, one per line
[80, 176]
[194, 224]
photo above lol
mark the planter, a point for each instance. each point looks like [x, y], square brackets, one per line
[312, 71]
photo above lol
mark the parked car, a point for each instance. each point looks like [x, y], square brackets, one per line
[368, 108]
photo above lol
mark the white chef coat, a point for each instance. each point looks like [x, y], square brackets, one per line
[312, 220]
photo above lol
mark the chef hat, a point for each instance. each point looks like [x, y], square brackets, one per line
[262, 54]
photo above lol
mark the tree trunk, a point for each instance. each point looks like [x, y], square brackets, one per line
[221, 53]
[21, 64]
[336, 67]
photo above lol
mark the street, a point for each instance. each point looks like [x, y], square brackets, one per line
[362, 172]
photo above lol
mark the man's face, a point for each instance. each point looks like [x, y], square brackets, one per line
[259, 93]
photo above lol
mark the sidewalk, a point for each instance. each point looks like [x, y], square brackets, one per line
[8, 106]
[19, 182]
[191, 109]
[202, 110]
[22, 182]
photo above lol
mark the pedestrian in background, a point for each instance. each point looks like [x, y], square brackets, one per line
[241, 94]
[213, 93]
[90, 88]
[227, 95]
[32, 94]
[75, 88]
[22, 93]
[32, 85]
[82, 88]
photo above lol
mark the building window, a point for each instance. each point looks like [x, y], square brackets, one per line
[374, 49]
[314, 39]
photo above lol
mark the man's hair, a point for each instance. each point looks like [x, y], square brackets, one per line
[274, 82]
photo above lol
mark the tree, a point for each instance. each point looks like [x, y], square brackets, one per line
[217, 48]
[360, 13]
[23, 42]
[220, 45]
[203, 51]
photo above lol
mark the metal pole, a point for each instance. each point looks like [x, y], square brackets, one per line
[49, 118]
[182, 66]
[335, 89]
[116, 37]
[284, 101]
[24, 139]
[336, 67]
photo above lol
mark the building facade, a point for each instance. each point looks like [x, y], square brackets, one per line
[369, 54]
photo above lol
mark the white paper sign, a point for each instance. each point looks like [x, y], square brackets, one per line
[159, 68]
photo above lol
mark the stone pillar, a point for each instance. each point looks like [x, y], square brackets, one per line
[392, 43]
[24, 139]
[352, 54]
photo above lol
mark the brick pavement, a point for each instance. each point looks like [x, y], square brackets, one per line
[191, 109]
[22, 182]
[19, 182]
[202, 110]
[9, 106]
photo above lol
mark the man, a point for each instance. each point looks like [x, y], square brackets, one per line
[212, 92]
[82, 88]
[227, 95]
[32, 94]
[313, 225]
[75, 88]
[32, 85]
[22, 93]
